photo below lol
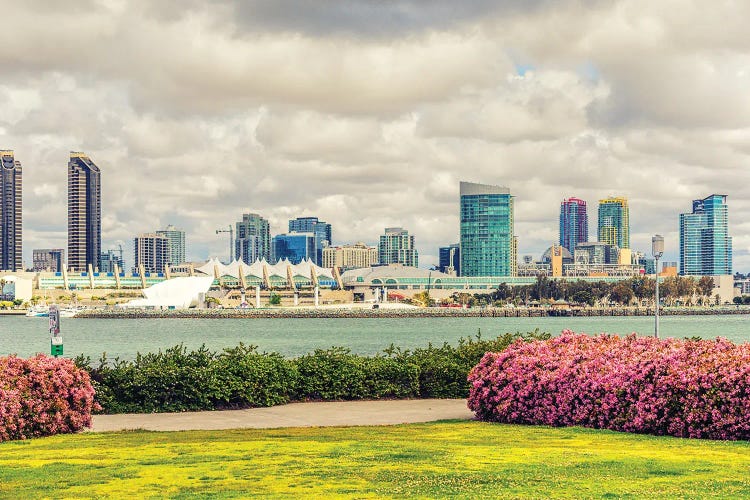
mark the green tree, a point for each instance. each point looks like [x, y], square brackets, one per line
[705, 286]
[274, 299]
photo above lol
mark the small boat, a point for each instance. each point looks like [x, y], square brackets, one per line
[38, 312]
[68, 312]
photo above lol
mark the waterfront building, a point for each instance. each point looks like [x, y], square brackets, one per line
[253, 238]
[347, 257]
[705, 244]
[397, 247]
[321, 230]
[11, 212]
[151, 251]
[176, 239]
[488, 245]
[614, 222]
[574, 223]
[450, 259]
[294, 247]
[84, 212]
[48, 259]
[109, 260]
[596, 252]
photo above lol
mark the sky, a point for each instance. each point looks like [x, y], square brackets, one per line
[368, 113]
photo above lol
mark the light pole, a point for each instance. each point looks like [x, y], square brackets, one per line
[657, 250]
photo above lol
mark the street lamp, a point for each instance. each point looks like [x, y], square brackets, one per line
[657, 250]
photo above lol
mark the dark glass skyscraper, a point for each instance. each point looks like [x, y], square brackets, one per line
[450, 257]
[488, 245]
[11, 210]
[705, 244]
[574, 223]
[321, 230]
[84, 213]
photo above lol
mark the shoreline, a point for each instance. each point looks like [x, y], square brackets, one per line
[432, 312]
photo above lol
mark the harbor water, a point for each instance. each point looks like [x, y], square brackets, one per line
[296, 336]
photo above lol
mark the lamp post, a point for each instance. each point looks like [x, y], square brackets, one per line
[657, 250]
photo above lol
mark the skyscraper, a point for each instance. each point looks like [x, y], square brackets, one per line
[705, 244]
[614, 222]
[252, 238]
[84, 212]
[321, 230]
[176, 238]
[11, 210]
[151, 250]
[488, 245]
[397, 247]
[574, 223]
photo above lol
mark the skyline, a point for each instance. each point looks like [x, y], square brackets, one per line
[368, 117]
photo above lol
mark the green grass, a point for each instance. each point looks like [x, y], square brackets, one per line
[456, 459]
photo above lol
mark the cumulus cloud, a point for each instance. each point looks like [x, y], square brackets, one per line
[368, 114]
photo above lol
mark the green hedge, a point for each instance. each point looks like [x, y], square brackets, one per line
[241, 377]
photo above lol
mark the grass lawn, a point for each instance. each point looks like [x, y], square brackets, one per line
[458, 459]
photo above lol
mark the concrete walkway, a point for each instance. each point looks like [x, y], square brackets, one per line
[345, 413]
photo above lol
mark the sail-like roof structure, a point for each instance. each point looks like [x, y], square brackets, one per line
[305, 272]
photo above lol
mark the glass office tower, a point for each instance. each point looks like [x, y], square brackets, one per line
[614, 222]
[574, 223]
[84, 213]
[176, 238]
[705, 244]
[295, 247]
[11, 211]
[321, 230]
[488, 246]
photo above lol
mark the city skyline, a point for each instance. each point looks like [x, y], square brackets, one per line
[311, 110]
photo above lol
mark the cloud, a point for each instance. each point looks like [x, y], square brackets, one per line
[369, 114]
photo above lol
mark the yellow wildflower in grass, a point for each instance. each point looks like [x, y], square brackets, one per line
[458, 459]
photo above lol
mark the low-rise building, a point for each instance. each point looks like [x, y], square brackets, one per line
[347, 257]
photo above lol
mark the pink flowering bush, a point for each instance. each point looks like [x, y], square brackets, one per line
[685, 388]
[41, 396]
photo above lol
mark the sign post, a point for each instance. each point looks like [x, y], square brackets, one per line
[56, 340]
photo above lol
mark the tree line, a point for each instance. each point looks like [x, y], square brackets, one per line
[636, 291]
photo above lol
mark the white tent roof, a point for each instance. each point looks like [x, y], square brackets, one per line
[181, 292]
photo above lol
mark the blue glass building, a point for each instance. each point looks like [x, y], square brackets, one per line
[319, 228]
[574, 223]
[450, 256]
[293, 246]
[705, 244]
[488, 245]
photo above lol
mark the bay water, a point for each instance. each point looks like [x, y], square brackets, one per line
[123, 338]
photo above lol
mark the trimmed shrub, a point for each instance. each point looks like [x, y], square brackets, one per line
[42, 396]
[685, 388]
[181, 380]
[443, 370]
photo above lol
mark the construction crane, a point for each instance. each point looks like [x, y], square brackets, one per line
[231, 241]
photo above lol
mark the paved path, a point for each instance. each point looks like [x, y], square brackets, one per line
[346, 413]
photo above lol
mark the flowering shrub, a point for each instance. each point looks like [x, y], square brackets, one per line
[685, 388]
[42, 396]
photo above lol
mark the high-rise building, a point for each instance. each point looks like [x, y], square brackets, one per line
[705, 244]
[488, 245]
[84, 212]
[48, 259]
[321, 230]
[11, 212]
[596, 252]
[614, 222]
[252, 238]
[348, 257]
[397, 247]
[176, 238]
[293, 246]
[574, 223]
[450, 259]
[151, 250]
[109, 260]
